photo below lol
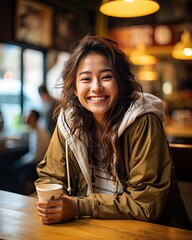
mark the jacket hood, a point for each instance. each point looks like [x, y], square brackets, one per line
[147, 103]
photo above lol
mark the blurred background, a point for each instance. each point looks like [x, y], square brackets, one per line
[36, 37]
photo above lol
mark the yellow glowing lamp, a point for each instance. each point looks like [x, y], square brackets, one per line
[128, 8]
[139, 56]
[147, 73]
[183, 49]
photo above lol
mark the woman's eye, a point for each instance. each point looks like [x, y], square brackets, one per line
[85, 79]
[107, 77]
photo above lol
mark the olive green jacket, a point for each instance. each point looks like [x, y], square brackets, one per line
[145, 172]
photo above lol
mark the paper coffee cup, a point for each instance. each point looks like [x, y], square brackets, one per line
[49, 191]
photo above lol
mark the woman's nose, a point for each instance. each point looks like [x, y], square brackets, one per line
[97, 86]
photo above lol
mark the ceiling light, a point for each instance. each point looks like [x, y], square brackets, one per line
[183, 49]
[139, 56]
[147, 73]
[128, 8]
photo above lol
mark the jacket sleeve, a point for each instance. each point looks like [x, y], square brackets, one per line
[148, 165]
[52, 168]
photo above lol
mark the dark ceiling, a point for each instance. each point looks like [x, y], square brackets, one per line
[170, 10]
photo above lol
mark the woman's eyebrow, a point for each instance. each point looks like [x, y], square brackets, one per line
[106, 70]
[84, 72]
[103, 70]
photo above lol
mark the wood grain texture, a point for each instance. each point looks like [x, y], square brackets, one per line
[19, 221]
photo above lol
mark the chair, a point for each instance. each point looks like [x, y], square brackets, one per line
[182, 159]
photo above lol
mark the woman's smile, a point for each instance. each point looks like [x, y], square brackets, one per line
[97, 98]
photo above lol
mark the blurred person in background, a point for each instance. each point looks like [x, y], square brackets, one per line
[1, 120]
[24, 169]
[49, 105]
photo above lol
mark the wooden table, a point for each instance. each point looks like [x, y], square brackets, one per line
[19, 221]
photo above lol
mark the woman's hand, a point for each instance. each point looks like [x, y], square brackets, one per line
[55, 211]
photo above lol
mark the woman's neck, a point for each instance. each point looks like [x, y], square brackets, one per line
[99, 128]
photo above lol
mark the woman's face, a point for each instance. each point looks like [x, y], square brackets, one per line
[96, 87]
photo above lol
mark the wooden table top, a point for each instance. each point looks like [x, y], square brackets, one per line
[19, 221]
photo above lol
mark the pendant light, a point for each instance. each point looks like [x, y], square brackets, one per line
[140, 56]
[147, 73]
[183, 49]
[128, 8]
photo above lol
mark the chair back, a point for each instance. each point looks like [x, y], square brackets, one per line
[182, 159]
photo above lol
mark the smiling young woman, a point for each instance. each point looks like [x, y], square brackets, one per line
[109, 150]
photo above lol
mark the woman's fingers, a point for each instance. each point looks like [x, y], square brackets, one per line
[54, 211]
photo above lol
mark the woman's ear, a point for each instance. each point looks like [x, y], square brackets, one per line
[75, 92]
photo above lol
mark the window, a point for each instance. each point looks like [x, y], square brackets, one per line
[33, 77]
[15, 95]
[10, 85]
[54, 79]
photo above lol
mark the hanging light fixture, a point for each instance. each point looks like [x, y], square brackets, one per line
[139, 56]
[147, 73]
[128, 8]
[183, 49]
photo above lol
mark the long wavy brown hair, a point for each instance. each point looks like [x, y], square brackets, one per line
[82, 118]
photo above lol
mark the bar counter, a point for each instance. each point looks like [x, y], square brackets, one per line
[176, 129]
[19, 221]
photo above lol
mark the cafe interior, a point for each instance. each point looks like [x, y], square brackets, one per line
[35, 40]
